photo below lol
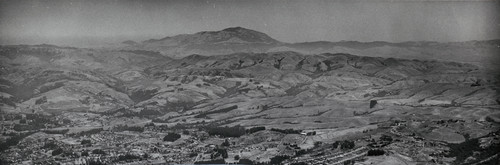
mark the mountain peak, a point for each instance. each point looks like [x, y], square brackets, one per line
[232, 35]
[235, 29]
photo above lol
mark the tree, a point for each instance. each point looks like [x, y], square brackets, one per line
[127, 157]
[98, 151]
[226, 143]
[218, 161]
[373, 103]
[41, 100]
[386, 138]
[347, 144]
[193, 154]
[222, 152]
[335, 145]
[317, 144]
[278, 159]
[255, 129]
[85, 153]
[375, 152]
[86, 142]
[235, 131]
[171, 137]
[150, 125]
[57, 151]
[245, 161]
[349, 162]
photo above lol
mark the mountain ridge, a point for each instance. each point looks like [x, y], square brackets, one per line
[218, 36]
[239, 39]
[377, 42]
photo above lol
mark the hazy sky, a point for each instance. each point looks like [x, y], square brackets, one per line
[67, 22]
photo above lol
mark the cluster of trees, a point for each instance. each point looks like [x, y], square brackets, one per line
[171, 137]
[471, 147]
[373, 103]
[193, 154]
[98, 151]
[57, 151]
[235, 131]
[278, 159]
[311, 133]
[255, 129]
[245, 161]
[128, 128]
[12, 141]
[31, 127]
[86, 142]
[219, 152]
[41, 100]
[9, 101]
[223, 110]
[50, 146]
[150, 125]
[386, 138]
[302, 152]
[344, 145]
[287, 131]
[128, 157]
[226, 143]
[37, 121]
[217, 161]
[375, 152]
[179, 126]
[349, 162]
[85, 153]
[347, 144]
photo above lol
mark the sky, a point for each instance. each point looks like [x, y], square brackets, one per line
[79, 22]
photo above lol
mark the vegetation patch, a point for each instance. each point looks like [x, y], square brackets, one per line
[223, 110]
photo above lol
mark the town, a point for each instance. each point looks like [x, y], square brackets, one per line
[195, 143]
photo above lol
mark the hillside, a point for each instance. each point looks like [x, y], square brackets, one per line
[54, 79]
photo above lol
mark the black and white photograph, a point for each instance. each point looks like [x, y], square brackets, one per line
[255, 82]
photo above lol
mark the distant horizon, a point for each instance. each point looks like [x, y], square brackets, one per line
[93, 22]
[118, 40]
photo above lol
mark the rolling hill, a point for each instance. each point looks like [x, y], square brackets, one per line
[51, 80]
